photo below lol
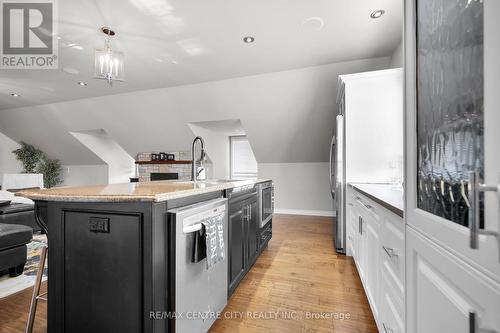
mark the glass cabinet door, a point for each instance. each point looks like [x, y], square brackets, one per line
[452, 80]
[450, 105]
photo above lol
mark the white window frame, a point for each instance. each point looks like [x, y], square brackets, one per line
[240, 176]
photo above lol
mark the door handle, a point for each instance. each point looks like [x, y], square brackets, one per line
[474, 187]
[390, 252]
[360, 225]
[387, 329]
[245, 212]
[474, 325]
[332, 145]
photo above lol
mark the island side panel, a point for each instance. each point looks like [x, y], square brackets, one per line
[101, 267]
[132, 238]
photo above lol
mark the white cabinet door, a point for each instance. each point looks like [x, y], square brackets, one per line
[453, 124]
[362, 248]
[443, 291]
[372, 264]
[391, 305]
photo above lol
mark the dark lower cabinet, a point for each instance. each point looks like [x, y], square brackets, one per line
[103, 267]
[244, 235]
[253, 230]
[237, 246]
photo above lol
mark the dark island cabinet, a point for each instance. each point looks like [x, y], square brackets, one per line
[110, 265]
[103, 267]
[244, 235]
[253, 230]
[237, 245]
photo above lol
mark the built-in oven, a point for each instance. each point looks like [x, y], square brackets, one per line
[266, 202]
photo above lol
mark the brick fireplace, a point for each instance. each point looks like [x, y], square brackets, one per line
[181, 166]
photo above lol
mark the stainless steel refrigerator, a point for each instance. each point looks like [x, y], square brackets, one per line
[368, 137]
[338, 174]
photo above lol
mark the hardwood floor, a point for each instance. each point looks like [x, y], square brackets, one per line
[300, 273]
[297, 277]
[14, 312]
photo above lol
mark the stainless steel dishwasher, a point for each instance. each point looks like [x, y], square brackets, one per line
[200, 293]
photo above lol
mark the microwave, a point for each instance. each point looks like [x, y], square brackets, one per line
[266, 202]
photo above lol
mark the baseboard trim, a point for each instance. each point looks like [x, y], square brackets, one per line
[305, 212]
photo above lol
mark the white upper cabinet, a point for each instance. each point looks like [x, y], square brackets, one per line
[452, 134]
[453, 126]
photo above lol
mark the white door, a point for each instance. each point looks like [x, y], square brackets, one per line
[445, 294]
[447, 132]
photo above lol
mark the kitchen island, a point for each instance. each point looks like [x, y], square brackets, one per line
[112, 252]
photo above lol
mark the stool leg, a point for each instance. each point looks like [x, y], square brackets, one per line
[36, 291]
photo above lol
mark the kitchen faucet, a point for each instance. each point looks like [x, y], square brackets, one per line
[194, 174]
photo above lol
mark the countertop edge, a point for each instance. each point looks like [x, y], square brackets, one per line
[36, 195]
[381, 202]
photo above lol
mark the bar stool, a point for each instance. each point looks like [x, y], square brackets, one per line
[36, 296]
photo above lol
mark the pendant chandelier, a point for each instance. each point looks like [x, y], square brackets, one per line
[108, 64]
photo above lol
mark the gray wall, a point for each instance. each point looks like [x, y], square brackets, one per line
[288, 117]
[8, 163]
[300, 188]
[397, 56]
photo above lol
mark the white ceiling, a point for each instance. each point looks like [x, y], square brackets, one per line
[176, 42]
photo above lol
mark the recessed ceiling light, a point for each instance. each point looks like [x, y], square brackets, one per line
[378, 13]
[15, 95]
[81, 83]
[314, 23]
[249, 39]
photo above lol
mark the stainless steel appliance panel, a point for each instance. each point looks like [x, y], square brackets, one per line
[266, 202]
[199, 292]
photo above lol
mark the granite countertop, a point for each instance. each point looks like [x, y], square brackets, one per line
[386, 195]
[156, 191]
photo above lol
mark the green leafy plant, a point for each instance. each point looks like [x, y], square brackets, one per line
[35, 161]
[51, 170]
[29, 156]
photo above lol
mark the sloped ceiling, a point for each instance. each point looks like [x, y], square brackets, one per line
[288, 116]
[177, 42]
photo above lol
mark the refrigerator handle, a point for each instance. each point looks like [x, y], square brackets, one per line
[332, 161]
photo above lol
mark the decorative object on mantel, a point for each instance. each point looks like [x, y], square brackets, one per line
[162, 157]
[108, 64]
[164, 162]
[35, 161]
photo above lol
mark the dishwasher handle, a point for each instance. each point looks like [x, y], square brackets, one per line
[192, 228]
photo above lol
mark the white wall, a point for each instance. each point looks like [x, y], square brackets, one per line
[83, 175]
[300, 188]
[292, 109]
[374, 126]
[8, 162]
[121, 166]
[397, 56]
[73, 175]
